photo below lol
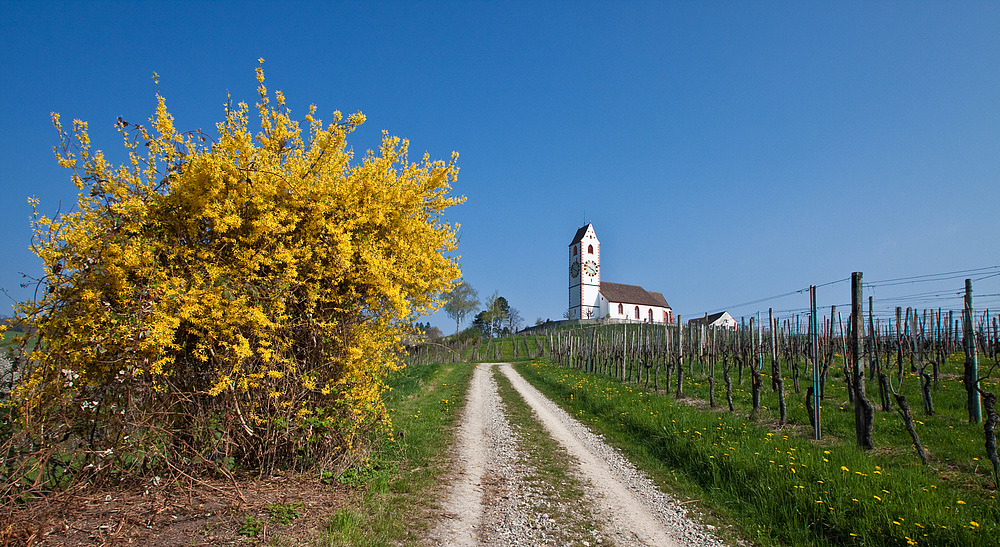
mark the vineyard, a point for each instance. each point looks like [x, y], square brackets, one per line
[731, 415]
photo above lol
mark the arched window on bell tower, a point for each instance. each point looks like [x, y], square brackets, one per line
[590, 249]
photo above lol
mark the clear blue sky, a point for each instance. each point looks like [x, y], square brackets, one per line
[726, 152]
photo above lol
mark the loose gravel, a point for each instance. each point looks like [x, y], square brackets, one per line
[491, 501]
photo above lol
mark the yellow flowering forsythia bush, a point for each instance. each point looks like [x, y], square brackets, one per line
[228, 301]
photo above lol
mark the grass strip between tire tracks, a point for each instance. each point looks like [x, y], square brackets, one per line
[550, 465]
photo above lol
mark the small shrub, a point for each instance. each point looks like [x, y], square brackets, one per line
[252, 526]
[285, 513]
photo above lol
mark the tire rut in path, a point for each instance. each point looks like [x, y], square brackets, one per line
[463, 506]
[633, 511]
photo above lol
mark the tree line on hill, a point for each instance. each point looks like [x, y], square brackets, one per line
[14, 325]
[497, 318]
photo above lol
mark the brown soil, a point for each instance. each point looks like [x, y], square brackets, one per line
[210, 512]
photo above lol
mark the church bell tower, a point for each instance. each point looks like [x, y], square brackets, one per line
[584, 274]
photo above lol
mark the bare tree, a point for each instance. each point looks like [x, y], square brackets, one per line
[463, 301]
[514, 320]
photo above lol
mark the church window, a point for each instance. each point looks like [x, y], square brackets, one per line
[590, 249]
[664, 316]
[650, 315]
[637, 312]
[574, 250]
[621, 310]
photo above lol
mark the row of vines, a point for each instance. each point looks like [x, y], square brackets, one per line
[914, 346]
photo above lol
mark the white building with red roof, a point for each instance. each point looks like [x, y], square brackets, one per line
[591, 298]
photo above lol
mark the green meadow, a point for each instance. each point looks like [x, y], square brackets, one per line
[777, 484]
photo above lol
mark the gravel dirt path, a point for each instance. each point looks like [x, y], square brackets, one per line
[489, 502]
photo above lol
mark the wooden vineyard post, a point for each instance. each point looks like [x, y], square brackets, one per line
[624, 352]
[971, 358]
[701, 346]
[864, 413]
[949, 336]
[872, 340]
[692, 352]
[899, 344]
[680, 358]
[590, 350]
[777, 380]
[908, 330]
[774, 350]
[758, 379]
[814, 354]
[739, 354]
[667, 357]
[756, 362]
[711, 373]
[629, 356]
[925, 377]
[795, 354]
[936, 339]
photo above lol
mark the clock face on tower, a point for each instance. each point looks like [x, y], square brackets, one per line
[590, 268]
[574, 269]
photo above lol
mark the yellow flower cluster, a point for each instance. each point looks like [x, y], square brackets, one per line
[264, 277]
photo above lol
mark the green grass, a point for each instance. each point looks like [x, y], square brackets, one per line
[780, 487]
[11, 339]
[506, 345]
[396, 484]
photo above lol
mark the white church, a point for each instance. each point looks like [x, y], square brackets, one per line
[590, 298]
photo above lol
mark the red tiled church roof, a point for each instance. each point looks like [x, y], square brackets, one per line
[632, 294]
